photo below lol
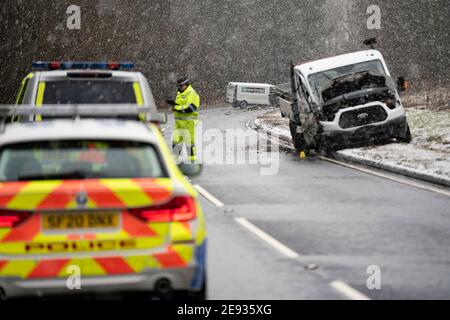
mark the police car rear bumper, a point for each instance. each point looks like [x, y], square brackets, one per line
[179, 278]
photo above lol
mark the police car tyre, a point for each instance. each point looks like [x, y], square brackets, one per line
[3, 296]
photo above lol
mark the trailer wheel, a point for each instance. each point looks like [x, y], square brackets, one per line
[297, 138]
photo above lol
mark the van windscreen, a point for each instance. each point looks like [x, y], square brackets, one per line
[319, 81]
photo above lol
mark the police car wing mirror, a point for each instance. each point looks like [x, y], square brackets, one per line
[159, 118]
[163, 117]
[191, 170]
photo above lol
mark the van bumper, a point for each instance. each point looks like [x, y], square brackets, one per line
[362, 136]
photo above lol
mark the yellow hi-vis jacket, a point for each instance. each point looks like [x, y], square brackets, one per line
[188, 105]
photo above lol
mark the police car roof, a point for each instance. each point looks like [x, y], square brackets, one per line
[63, 74]
[84, 129]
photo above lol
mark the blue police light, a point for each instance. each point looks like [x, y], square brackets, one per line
[127, 65]
[99, 65]
[73, 65]
[41, 65]
[76, 65]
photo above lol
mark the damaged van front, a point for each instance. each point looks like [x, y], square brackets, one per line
[360, 108]
[344, 101]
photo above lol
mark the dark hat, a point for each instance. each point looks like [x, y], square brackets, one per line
[183, 81]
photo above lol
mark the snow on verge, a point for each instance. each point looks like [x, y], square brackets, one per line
[427, 157]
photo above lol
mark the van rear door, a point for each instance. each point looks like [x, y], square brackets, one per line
[231, 93]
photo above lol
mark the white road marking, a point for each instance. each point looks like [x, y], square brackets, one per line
[408, 182]
[338, 285]
[342, 287]
[390, 177]
[209, 196]
[267, 238]
[348, 291]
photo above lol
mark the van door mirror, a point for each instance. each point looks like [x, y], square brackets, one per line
[163, 117]
[402, 84]
[191, 170]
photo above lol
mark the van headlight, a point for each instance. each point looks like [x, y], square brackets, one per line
[391, 103]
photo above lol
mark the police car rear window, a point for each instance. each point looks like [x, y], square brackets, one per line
[78, 160]
[89, 91]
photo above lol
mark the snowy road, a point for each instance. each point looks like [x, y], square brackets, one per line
[312, 230]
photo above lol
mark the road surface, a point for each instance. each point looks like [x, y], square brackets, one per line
[312, 230]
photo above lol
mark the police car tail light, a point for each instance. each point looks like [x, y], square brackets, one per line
[178, 209]
[10, 219]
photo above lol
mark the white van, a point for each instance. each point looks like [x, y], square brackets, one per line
[344, 101]
[241, 95]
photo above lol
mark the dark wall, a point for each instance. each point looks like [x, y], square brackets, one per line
[214, 42]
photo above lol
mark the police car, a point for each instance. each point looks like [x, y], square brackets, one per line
[95, 206]
[65, 83]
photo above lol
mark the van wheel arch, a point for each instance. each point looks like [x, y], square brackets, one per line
[407, 137]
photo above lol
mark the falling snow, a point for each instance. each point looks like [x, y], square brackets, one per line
[215, 42]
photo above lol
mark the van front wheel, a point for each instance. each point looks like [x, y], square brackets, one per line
[406, 137]
[297, 138]
[243, 104]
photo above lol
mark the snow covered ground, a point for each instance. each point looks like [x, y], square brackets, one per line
[428, 154]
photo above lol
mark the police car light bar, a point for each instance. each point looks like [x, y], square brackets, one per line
[73, 65]
[106, 111]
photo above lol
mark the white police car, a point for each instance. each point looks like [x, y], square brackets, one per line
[56, 83]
